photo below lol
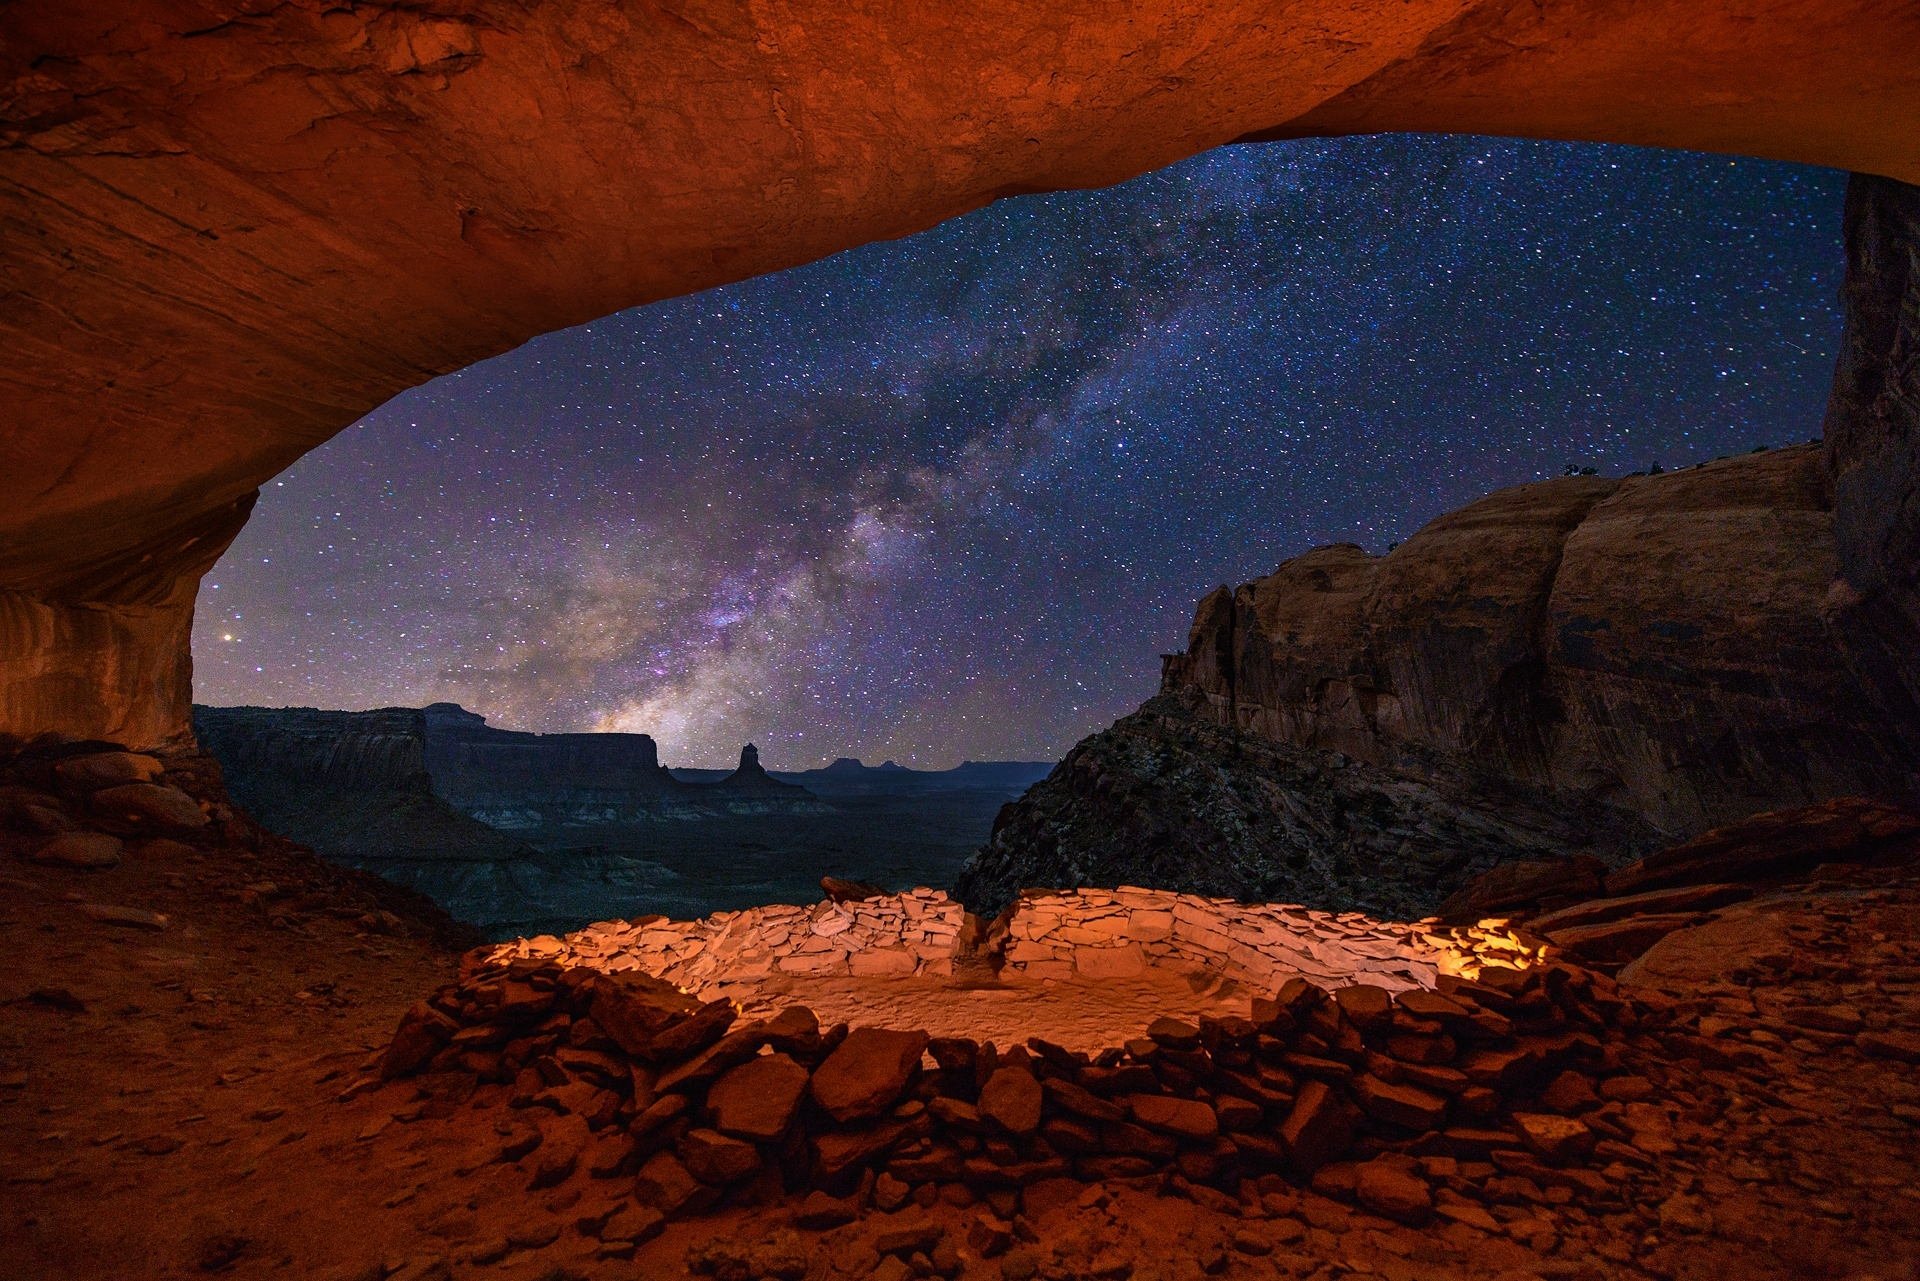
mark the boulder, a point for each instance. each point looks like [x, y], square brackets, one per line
[1399, 1104]
[665, 1184]
[867, 1072]
[634, 1008]
[1619, 941]
[423, 1031]
[1903, 1047]
[1366, 1005]
[1011, 1099]
[713, 1157]
[758, 1099]
[1391, 1189]
[1188, 1118]
[564, 1139]
[139, 808]
[79, 849]
[1684, 898]
[1524, 883]
[1318, 1128]
[80, 774]
[1558, 1139]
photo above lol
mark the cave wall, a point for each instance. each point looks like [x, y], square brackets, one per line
[226, 232]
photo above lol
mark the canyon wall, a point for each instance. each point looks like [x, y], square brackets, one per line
[1661, 645]
[228, 234]
[1583, 666]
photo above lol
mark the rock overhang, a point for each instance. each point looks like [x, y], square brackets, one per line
[230, 237]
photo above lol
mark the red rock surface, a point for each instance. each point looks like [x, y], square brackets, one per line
[1758, 1120]
[230, 236]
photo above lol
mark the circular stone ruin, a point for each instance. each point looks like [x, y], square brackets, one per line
[1084, 969]
[1127, 1034]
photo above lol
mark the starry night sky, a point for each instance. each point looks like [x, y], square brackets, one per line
[950, 497]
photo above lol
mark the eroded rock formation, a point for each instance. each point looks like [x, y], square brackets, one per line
[229, 234]
[1575, 666]
[436, 799]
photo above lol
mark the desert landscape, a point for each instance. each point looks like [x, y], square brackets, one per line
[1525, 886]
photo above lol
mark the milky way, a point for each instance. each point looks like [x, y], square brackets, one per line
[950, 497]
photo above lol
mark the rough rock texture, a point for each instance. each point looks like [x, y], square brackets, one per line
[1873, 441]
[230, 234]
[1168, 798]
[435, 799]
[1654, 645]
[1570, 667]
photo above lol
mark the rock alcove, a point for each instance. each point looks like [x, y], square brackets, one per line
[229, 233]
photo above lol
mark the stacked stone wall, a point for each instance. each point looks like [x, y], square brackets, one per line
[893, 935]
[1103, 934]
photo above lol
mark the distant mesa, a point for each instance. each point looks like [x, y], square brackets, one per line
[302, 766]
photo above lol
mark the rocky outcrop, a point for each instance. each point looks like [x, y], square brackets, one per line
[1872, 434]
[508, 780]
[1169, 798]
[1656, 645]
[229, 237]
[436, 799]
[1766, 857]
[354, 785]
[1572, 667]
[515, 781]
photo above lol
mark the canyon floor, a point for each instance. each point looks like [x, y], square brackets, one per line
[197, 1095]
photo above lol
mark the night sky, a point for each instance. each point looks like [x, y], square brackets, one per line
[950, 497]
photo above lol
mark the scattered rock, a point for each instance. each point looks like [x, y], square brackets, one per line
[80, 849]
[79, 774]
[136, 918]
[758, 1099]
[138, 808]
[1393, 1191]
[867, 1072]
[1012, 1099]
[713, 1157]
[1901, 1046]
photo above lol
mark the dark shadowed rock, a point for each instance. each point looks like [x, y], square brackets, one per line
[1526, 883]
[140, 808]
[79, 849]
[1584, 668]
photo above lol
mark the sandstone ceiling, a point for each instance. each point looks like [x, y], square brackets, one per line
[227, 231]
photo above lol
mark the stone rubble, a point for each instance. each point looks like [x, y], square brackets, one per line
[1455, 1087]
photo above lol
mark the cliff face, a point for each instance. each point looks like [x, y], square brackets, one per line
[504, 779]
[1170, 798]
[1579, 666]
[353, 785]
[1660, 645]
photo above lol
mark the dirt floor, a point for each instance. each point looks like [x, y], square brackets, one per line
[198, 1100]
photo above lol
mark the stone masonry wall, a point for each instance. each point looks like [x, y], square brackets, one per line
[913, 933]
[1098, 934]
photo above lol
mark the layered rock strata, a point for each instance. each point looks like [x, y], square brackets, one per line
[1581, 667]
